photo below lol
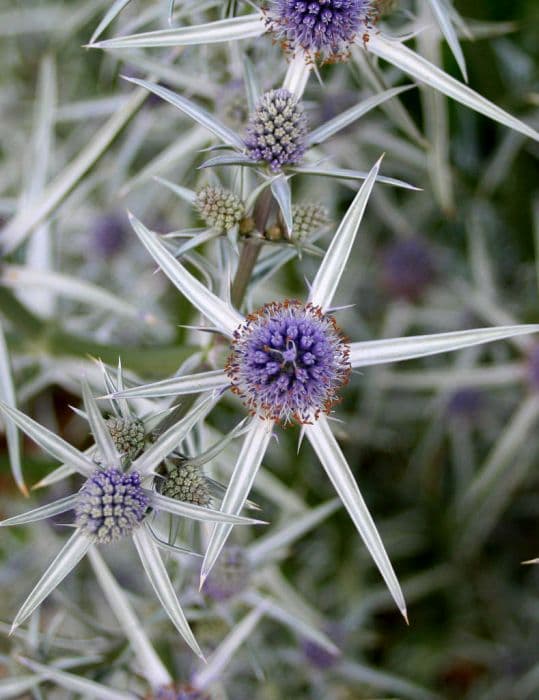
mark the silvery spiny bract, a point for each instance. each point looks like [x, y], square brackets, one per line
[237, 133]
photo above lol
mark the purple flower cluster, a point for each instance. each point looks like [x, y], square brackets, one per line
[321, 28]
[110, 505]
[288, 361]
[276, 131]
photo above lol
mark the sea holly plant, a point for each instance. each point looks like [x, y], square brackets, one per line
[276, 140]
[327, 30]
[288, 362]
[113, 503]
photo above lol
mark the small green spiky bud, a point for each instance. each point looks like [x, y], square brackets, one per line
[219, 208]
[186, 482]
[307, 218]
[128, 435]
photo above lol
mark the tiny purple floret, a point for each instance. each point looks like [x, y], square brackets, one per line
[111, 504]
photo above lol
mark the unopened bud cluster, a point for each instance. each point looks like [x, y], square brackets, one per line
[219, 208]
[186, 482]
[306, 219]
[128, 435]
[276, 131]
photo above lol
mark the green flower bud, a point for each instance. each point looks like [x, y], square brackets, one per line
[219, 208]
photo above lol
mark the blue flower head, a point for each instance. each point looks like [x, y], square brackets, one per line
[288, 361]
[321, 28]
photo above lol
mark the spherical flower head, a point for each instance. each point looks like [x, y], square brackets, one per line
[178, 692]
[408, 268]
[229, 576]
[288, 362]
[110, 232]
[186, 482]
[111, 504]
[323, 29]
[276, 130]
[128, 435]
[219, 208]
[307, 218]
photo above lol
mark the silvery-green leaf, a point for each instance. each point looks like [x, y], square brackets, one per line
[48, 441]
[375, 352]
[101, 433]
[231, 29]
[17, 686]
[516, 433]
[330, 455]
[113, 11]
[19, 277]
[332, 266]
[47, 511]
[443, 16]
[251, 454]
[290, 618]
[25, 220]
[195, 241]
[236, 159]
[184, 193]
[261, 549]
[61, 472]
[297, 74]
[213, 380]
[218, 312]
[252, 87]
[206, 456]
[220, 658]
[385, 682]
[66, 560]
[344, 119]
[415, 65]
[199, 114]
[149, 662]
[171, 438]
[194, 512]
[162, 585]
[77, 684]
[345, 174]
[169, 548]
[7, 394]
[283, 195]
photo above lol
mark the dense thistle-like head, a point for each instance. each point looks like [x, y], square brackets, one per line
[128, 435]
[110, 505]
[408, 268]
[186, 482]
[321, 28]
[276, 130]
[219, 208]
[308, 218]
[178, 692]
[288, 362]
[229, 576]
